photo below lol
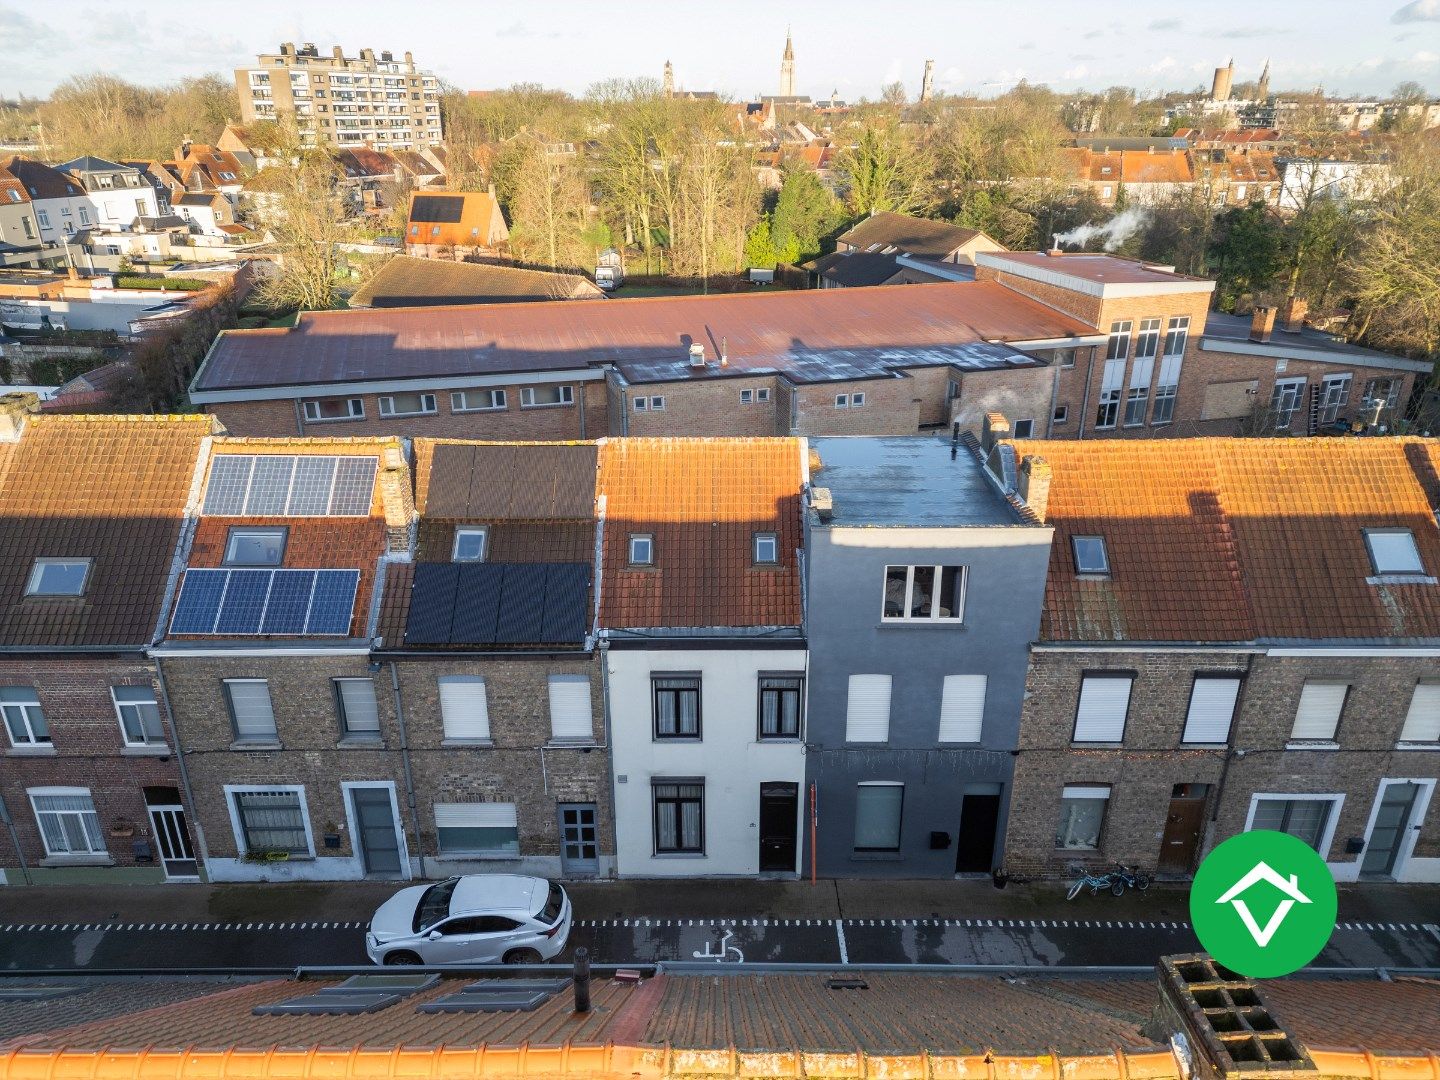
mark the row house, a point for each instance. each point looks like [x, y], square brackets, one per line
[20, 243]
[58, 203]
[1147, 176]
[1236, 635]
[92, 508]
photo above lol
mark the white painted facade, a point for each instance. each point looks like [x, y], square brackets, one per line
[729, 757]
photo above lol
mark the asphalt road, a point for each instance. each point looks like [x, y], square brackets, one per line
[1007, 942]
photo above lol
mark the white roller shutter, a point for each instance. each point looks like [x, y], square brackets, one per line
[962, 708]
[1212, 708]
[1170, 370]
[1319, 711]
[1142, 370]
[464, 707]
[475, 815]
[867, 716]
[1422, 722]
[1083, 791]
[250, 704]
[570, 716]
[1113, 375]
[357, 698]
[1104, 700]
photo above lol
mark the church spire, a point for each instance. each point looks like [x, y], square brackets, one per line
[787, 68]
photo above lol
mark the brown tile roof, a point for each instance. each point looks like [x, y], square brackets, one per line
[408, 281]
[912, 235]
[702, 500]
[513, 542]
[361, 161]
[109, 488]
[40, 180]
[505, 481]
[10, 182]
[1128, 166]
[1238, 539]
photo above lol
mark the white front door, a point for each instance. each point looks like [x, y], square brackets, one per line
[172, 843]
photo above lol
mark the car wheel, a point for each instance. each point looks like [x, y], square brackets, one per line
[401, 959]
[522, 956]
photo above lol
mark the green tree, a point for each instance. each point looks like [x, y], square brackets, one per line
[805, 214]
[1249, 252]
[886, 169]
[759, 249]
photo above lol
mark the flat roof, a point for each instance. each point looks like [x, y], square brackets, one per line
[908, 480]
[1091, 266]
[1308, 340]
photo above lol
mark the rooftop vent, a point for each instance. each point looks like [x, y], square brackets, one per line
[697, 355]
[822, 503]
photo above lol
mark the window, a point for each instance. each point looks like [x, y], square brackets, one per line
[1212, 709]
[570, 714]
[42, 216]
[679, 816]
[1024, 429]
[271, 819]
[1305, 819]
[1168, 384]
[477, 829]
[1061, 415]
[642, 549]
[1138, 396]
[1108, 410]
[657, 404]
[857, 401]
[1090, 555]
[1117, 346]
[1422, 722]
[84, 216]
[1393, 551]
[1318, 715]
[464, 708]
[879, 807]
[1285, 400]
[139, 715]
[1082, 816]
[1384, 391]
[962, 708]
[68, 822]
[842, 401]
[1067, 357]
[767, 548]
[641, 404]
[24, 719]
[747, 397]
[1177, 331]
[867, 711]
[924, 593]
[552, 394]
[407, 404]
[477, 400]
[28, 226]
[1104, 703]
[1147, 340]
[470, 543]
[251, 712]
[355, 703]
[780, 704]
[677, 706]
[58, 577]
[255, 547]
[1334, 393]
[319, 409]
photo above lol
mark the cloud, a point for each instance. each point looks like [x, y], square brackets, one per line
[1079, 71]
[1425, 56]
[1240, 32]
[1418, 11]
[1164, 24]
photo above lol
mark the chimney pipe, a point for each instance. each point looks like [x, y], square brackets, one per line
[697, 355]
[582, 980]
[724, 352]
[1262, 324]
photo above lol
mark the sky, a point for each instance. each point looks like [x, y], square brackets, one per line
[851, 46]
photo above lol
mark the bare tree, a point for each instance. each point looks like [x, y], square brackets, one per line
[304, 211]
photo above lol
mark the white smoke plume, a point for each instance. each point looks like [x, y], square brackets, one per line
[1114, 232]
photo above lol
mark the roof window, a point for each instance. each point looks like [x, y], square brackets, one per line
[642, 549]
[1393, 551]
[1090, 555]
[58, 577]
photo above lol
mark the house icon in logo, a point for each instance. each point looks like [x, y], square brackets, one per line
[1262, 872]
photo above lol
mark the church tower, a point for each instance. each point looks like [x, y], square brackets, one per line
[787, 68]
[669, 79]
[1262, 89]
[927, 83]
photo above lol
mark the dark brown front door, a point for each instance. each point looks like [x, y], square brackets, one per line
[779, 804]
[1183, 825]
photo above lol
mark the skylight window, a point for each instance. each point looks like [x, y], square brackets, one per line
[58, 577]
[255, 547]
[1393, 551]
[469, 544]
[642, 549]
[1090, 555]
[767, 548]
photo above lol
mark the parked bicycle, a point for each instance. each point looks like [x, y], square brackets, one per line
[1117, 880]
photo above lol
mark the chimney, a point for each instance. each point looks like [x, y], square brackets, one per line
[410, 60]
[994, 428]
[822, 503]
[724, 352]
[14, 408]
[395, 497]
[287, 48]
[338, 53]
[1055, 252]
[697, 355]
[1292, 314]
[1262, 324]
[368, 55]
[1034, 485]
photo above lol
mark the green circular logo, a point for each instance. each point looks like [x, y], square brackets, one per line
[1263, 904]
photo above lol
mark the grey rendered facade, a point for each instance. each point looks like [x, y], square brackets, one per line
[877, 505]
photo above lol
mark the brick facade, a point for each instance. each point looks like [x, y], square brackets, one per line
[703, 407]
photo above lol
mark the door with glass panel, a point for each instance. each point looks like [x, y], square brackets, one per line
[172, 837]
[579, 840]
[1392, 823]
[377, 831]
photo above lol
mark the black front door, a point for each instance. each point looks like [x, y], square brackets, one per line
[778, 806]
[979, 817]
[375, 822]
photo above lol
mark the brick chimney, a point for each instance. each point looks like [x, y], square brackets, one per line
[395, 497]
[14, 408]
[1262, 324]
[994, 428]
[1034, 485]
[1292, 314]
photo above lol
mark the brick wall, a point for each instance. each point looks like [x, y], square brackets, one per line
[89, 751]
[890, 408]
[703, 407]
[1018, 393]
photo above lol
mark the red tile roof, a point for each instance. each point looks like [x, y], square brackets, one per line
[1238, 539]
[702, 500]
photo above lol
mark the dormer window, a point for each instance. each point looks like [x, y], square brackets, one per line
[470, 543]
[1393, 551]
[767, 548]
[1090, 555]
[58, 577]
[642, 549]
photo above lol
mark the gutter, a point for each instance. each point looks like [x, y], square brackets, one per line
[410, 800]
[287, 391]
[202, 849]
[1085, 401]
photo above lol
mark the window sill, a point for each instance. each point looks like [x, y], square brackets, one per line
[335, 420]
[551, 405]
[792, 740]
[97, 859]
[462, 412]
[1408, 746]
[403, 415]
[31, 751]
[356, 742]
[1081, 744]
[571, 744]
[922, 624]
[1401, 579]
[145, 751]
[678, 855]
[866, 743]
[477, 856]
[466, 744]
[1312, 746]
[974, 744]
[667, 740]
[256, 746]
[876, 856]
[1204, 746]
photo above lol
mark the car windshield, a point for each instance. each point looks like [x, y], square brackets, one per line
[554, 901]
[434, 905]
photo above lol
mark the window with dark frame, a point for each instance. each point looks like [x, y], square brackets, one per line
[781, 702]
[879, 811]
[679, 817]
[470, 543]
[1024, 429]
[642, 549]
[1090, 555]
[924, 593]
[1061, 415]
[356, 706]
[676, 705]
[766, 548]
[272, 821]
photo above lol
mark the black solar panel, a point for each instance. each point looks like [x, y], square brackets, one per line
[432, 604]
[565, 611]
[323, 1004]
[437, 208]
[477, 604]
[522, 604]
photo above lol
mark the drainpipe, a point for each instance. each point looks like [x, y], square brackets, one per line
[202, 849]
[405, 765]
[604, 649]
[1085, 402]
[1054, 397]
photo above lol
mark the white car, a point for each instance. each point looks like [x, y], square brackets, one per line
[476, 919]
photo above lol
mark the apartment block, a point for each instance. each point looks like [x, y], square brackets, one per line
[340, 100]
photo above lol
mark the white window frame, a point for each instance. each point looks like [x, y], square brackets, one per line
[1177, 335]
[1147, 339]
[428, 405]
[238, 828]
[354, 410]
[1106, 723]
[657, 404]
[1286, 399]
[867, 728]
[467, 729]
[239, 532]
[1327, 837]
[842, 401]
[1061, 415]
[460, 401]
[1117, 342]
[564, 391]
[470, 530]
[961, 722]
[120, 714]
[956, 618]
[1334, 395]
[24, 708]
[857, 401]
[639, 541]
[762, 394]
[1208, 690]
[37, 575]
[576, 737]
[71, 793]
[1029, 431]
[640, 404]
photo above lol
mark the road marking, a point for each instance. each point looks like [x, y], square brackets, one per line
[840, 937]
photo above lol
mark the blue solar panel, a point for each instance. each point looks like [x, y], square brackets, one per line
[244, 602]
[477, 603]
[522, 602]
[229, 481]
[354, 486]
[432, 604]
[314, 477]
[567, 587]
[333, 601]
[307, 485]
[199, 602]
[289, 602]
[270, 486]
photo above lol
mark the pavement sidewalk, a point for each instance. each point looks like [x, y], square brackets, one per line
[352, 901]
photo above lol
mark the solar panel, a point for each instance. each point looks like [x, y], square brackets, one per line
[328, 1005]
[477, 603]
[270, 486]
[310, 494]
[333, 601]
[289, 602]
[354, 487]
[522, 602]
[229, 481]
[404, 985]
[244, 602]
[432, 604]
[437, 208]
[199, 602]
[565, 612]
[306, 485]
[514, 1001]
